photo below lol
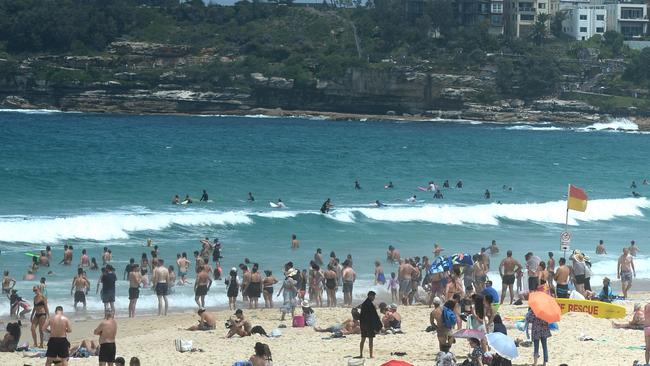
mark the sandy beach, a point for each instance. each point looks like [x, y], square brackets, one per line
[152, 340]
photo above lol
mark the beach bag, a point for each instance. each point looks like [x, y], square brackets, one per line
[298, 321]
[258, 330]
[183, 345]
[448, 317]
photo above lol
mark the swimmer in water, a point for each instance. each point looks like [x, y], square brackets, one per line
[356, 185]
[636, 194]
[187, 199]
[176, 200]
[204, 197]
[432, 186]
[280, 203]
[633, 185]
[412, 199]
[250, 197]
[389, 185]
[459, 184]
[487, 194]
[327, 205]
[445, 184]
[438, 195]
[379, 204]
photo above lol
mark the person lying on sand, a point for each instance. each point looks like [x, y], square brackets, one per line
[349, 326]
[636, 322]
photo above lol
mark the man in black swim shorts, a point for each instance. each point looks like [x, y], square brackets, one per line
[58, 347]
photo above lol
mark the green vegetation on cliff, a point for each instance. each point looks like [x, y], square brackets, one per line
[306, 44]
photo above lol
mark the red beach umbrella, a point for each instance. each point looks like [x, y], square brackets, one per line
[396, 363]
[544, 306]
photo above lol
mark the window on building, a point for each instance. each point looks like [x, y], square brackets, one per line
[600, 17]
[600, 30]
[583, 16]
[497, 8]
[631, 13]
[583, 29]
[541, 5]
[530, 17]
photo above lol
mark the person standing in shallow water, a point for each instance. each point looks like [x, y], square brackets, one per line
[369, 322]
[160, 285]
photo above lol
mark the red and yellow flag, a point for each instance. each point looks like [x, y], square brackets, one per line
[577, 199]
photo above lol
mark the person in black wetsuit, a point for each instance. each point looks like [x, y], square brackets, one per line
[325, 208]
[438, 195]
[459, 184]
[487, 194]
[250, 197]
[445, 184]
[356, 185]
[204, 197]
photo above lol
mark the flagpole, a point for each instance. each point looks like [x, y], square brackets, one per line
[566, 219]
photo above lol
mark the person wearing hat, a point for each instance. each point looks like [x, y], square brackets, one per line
[308, 313]
[240, 325]
[369, 321]
[289, 291]
[637, 321]
[606, 294]
[578, 270]
[207, 321]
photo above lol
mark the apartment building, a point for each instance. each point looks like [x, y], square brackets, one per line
[629, 18]
[585, 21]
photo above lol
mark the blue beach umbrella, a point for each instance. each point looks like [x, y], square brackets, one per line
[503, 345]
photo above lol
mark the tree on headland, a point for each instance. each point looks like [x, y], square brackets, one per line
[539, 32]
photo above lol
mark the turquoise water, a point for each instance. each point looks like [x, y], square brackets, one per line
[104, 180]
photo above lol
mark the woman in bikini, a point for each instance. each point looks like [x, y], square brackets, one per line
[39, 315]
[268, 283]
[233, 289]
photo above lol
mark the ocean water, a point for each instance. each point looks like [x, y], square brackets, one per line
[104, 180]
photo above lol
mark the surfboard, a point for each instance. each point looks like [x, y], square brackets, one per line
[273, 204]
[597, 309]
[185, 202]
[424, 189]
[32, 255]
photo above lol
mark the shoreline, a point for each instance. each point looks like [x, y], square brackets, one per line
[476, 114]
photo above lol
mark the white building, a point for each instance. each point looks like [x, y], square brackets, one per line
[584, 21]
[628, 18]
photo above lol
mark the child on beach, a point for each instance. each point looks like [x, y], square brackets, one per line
[380, 278]
[393, 285]
[445, 357]
[519, 274]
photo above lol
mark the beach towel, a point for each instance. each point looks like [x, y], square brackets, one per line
[448, 317]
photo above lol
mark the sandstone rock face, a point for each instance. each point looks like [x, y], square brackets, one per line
[149, 49]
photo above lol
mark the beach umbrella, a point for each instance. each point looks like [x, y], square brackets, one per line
[503, 345]
[544, 306]
[469, 333]
[396, 363]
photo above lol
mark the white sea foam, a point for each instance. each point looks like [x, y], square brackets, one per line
[615, 124]
[30, 111]
[489, 214]
[535, 128]
[107, 226]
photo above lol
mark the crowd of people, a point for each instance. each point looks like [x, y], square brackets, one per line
[459, 292]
